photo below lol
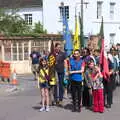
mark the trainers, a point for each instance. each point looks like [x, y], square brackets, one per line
[47, 109]
[79, 110]
[108, 106]
[73, 109]
[60, 104]
[42, 109]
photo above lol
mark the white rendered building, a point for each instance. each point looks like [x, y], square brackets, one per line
[48, 12]
[93, 10]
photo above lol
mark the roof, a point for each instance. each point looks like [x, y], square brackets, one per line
[20, 3]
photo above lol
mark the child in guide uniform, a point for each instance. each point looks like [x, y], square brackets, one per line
[44, 86]
[97, 86]
[98, 95]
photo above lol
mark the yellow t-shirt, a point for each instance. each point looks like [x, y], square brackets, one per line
[53, 80]
[42, 78]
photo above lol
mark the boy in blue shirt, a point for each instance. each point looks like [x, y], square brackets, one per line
[76, 69]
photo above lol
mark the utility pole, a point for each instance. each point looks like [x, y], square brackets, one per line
[81, 26]
[42, 16]
[81, 22]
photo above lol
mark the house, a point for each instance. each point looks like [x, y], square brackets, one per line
[49, 13]
[30, 10]
[93, 10]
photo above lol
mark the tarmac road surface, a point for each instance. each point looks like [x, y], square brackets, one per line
[25, 104]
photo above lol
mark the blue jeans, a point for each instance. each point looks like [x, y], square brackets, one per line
[60, 86]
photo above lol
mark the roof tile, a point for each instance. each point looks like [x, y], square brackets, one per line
[20, 3]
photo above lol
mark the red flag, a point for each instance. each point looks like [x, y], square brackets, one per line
[104, 62]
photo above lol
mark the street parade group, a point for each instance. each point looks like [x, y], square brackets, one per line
[79, 77]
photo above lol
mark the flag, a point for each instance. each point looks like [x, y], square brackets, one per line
[103, 56]
[51, 57]
[68, 47]
[76, 41]
[51, 62]
[101, 35]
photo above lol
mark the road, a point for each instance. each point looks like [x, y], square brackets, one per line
[25, 104]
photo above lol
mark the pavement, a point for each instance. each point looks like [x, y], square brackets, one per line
[25, 105]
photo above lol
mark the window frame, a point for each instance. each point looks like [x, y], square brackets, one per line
[112, 10]
[112, 38]
[66, 8]
[99, 9]
[28, 18]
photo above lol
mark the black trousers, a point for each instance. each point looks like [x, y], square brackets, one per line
[87, 97]
[108, 90]
[76, 91]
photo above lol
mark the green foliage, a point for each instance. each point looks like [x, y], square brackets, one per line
[13, 25]
[38, 28]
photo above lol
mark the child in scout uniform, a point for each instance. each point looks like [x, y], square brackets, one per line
[44, 85]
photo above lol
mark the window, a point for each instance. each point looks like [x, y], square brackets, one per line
[26, 52]
[66, 10]
[7, 50]
[28, 18]
[112, 6]
[99, 9]
[14, 50]
[40, 45]
[20, 51]
[112, 38]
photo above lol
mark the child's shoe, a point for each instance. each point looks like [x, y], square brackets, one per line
[47, 109]
[42, 109]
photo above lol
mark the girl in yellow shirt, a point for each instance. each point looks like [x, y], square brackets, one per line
[44, 87]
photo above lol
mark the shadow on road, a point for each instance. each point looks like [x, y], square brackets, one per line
[36, 107]
[68, 107]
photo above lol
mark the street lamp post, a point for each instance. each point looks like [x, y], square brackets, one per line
[62, 14]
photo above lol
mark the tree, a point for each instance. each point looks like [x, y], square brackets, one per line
[12, 24]
[38, 28]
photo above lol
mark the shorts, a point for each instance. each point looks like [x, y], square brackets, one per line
[35, 67]
[44, 85]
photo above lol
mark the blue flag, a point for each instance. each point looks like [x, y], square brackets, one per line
[68, 47]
